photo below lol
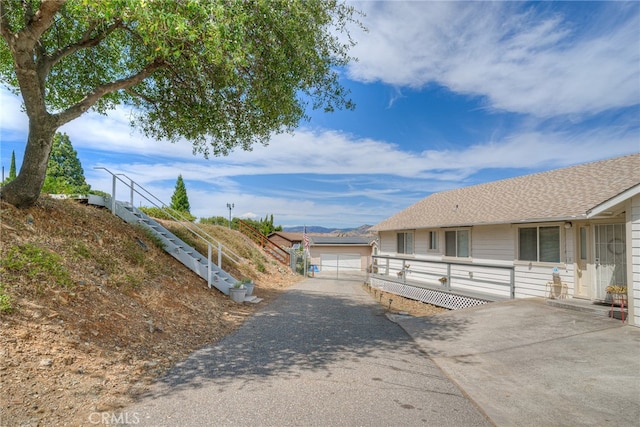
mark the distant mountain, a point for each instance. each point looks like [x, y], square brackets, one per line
[363, 230]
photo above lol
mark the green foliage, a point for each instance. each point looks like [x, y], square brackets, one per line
[5, 301]
[130, 281]
[265, 225]
[179, 198]
[166, 214]
[215, 220]
[80, 249]
[221, 74]
[133, 253]
[100, 193]
[12, 168]
[155, 212]
[157, 241]
[39, 265]
[64, 171]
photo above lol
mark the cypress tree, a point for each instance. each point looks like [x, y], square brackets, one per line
[179, 199]
[12, 168]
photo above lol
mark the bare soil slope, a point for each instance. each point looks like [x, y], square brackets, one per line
[98, 310]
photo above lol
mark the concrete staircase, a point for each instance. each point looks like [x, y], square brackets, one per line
[187, 255]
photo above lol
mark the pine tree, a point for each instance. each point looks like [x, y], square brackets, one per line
[64, 171]
[179, 199]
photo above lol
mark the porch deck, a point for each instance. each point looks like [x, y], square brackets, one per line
[586, 306]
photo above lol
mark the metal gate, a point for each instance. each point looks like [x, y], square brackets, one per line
[340, 265]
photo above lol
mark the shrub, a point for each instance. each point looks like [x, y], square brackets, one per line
[39, 265]
[166, 214]
[5, 301]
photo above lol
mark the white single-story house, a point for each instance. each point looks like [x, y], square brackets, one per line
[340, 254]
[579, 225]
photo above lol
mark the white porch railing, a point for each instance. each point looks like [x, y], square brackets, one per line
[474, 280]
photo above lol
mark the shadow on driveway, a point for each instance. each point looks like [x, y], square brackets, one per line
[323, 353]
[308, 328]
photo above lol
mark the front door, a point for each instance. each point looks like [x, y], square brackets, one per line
[610, 257]
[583, 276]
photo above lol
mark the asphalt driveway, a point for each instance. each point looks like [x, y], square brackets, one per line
[325, 354]
[322, 354]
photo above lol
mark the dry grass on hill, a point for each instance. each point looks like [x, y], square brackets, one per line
[89, 317]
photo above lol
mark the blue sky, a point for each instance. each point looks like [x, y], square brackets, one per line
[447, 94]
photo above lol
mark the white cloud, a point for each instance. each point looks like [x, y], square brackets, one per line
[517, 60]
[12, 120]
[520, 59]
[330, 152]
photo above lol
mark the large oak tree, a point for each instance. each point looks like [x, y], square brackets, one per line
[222, 74]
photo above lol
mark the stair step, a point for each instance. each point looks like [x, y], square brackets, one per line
[218, 278]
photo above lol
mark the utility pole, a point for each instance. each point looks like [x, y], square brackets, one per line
[230, 206]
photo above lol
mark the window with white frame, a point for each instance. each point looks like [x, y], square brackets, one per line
[539, 244]
[405, 243]
[433, 240]
[457, 243]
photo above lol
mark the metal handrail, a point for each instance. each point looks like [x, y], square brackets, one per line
[197, 231]
[281, 255]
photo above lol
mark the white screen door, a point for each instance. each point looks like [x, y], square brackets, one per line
[610, 257]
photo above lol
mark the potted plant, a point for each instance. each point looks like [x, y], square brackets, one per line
[237, 292]
[618, 293]
[248, 285]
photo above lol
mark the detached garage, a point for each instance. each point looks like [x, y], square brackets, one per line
[340, 254]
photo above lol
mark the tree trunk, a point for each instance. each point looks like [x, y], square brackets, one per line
[23, 192]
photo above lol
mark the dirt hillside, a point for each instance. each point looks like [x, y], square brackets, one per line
[91, 310]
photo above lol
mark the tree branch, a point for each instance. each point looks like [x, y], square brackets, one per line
[131, 91]
[5, 28]
[85, 42]
[41, 20]
[92, 97]
[23, 45]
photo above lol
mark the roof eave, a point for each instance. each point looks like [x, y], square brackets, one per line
[505, 222]
[612, 202]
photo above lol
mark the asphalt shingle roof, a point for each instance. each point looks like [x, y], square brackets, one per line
[557, 194]
[335, 240]
[291, 236]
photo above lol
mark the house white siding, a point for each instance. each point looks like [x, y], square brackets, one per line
[493, 243]
[531, 281]
[633, 270]
[491, 246]
[480, 279]
[581, 222]
[421, 242]
[388, 242]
